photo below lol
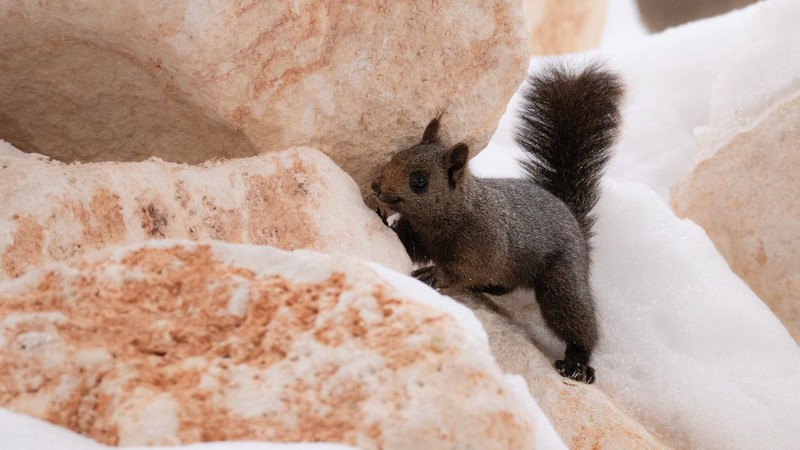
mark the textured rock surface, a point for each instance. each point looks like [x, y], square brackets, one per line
[583, 415]
[745, 195]
[175, 342]
[293, 199]
[185, 81]
[564, 26]
[658, 14]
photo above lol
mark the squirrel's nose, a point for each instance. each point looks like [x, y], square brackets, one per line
[376, 187]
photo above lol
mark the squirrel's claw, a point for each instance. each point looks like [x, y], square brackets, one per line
[583, 373]
[426, 275]
[382, 215]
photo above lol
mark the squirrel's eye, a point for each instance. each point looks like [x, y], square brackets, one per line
[418, 182]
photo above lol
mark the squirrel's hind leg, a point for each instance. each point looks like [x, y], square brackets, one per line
[565, 300]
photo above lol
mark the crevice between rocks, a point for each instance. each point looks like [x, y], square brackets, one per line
[76, 101]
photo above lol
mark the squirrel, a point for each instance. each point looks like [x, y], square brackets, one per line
[493, 235]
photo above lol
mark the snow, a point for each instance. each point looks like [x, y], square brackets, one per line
[674, 81]
[623, 25]
[686, 344]
[687, 347]
[776, 54]
[22, 432]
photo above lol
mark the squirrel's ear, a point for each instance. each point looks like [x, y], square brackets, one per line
[455, 161]
[431, 133]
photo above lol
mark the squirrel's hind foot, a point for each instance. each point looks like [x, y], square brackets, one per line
[574, 370]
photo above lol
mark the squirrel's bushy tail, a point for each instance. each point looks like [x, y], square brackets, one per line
[568, 123]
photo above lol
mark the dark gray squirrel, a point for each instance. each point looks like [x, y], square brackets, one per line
[493, 235]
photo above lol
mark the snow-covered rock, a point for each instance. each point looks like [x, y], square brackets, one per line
[687, 349]
[564, 26]
[96, 81]
[706, 72]
[686, 346]
[746, 195]
[173, 342]
[668, 82]
[293, 199]
[744, 189]
[689, 356]
[582, 415]
[690, 91]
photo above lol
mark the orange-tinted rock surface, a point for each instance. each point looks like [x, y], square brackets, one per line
[293, 199]
[178, 342]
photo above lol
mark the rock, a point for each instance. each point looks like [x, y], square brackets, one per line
[293, 199]
[659, 15]
[564, 26]
[173, 342]
[583, 415]
[745, 195]
[188, 82]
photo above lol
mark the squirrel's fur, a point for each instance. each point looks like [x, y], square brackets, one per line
[494, 235]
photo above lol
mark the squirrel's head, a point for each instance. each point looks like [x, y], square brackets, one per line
[425, 180]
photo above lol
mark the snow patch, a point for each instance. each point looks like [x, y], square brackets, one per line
[686, 345]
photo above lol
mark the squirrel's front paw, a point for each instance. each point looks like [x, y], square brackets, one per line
[426, 275]
[382, 214]
[583, 373]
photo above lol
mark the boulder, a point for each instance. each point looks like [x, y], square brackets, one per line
[564, 26]
[173, 342]
[297, 198]
[95, 81]
[745, 195]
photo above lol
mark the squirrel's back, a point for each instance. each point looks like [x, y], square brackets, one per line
[568, 123]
